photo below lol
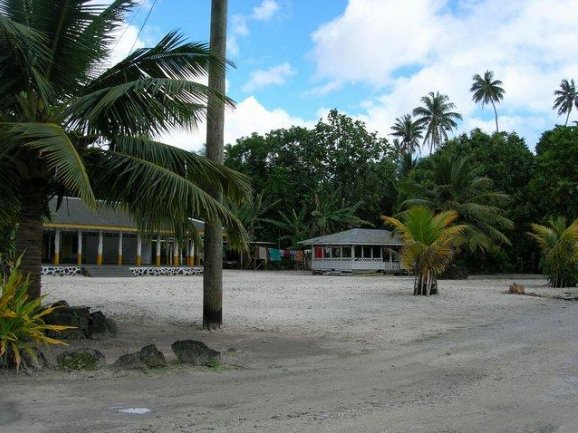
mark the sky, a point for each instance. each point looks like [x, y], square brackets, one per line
[374, 59]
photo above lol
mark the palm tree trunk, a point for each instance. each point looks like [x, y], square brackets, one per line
[213, 273]
[568, 116]
[496, 115]
[29, 233]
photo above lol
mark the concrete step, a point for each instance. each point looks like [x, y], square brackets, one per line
[106, 271]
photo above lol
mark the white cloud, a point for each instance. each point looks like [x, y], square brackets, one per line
[248, 117]
[406, 49]
[265, 10]
[275, 75]
[240, 23]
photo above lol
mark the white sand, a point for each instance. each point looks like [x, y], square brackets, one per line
[317, 354]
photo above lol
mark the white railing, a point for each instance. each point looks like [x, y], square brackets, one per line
[353, 264]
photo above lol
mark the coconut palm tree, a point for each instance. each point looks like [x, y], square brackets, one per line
[69, 125]
[559, 245]
[409, 132]
[428, 244]
[565, 98]
[455, 185]
[437, 118]
[487, 90]
[332, 214]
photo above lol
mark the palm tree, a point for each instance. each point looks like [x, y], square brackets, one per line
[428, 244]
[565, 98]
[485, 89]
[251, 213]
[213, 248]
[295, 225]
[559, 245]
[454, 185]
[437, 118]
[70, 126]
[332, 214]
[409, 131]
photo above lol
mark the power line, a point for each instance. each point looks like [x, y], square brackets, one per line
[143, 24]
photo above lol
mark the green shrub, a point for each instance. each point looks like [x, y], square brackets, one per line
[22, 328]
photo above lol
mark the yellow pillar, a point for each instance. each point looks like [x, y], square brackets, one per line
[120, 248]
[158, 252]
[79, 249]
[99, 250]
[176, 255]
[138, 250]
[192, 254]
[56, 258]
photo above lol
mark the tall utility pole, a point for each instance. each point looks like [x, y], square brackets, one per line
[213, 273]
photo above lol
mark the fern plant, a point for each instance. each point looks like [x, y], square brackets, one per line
[22, 327]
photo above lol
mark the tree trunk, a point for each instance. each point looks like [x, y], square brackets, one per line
[213, 272]
[29, 233]
[496, 115]
[425, 284]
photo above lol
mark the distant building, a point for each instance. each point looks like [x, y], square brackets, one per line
[76, 235]
[355, 250]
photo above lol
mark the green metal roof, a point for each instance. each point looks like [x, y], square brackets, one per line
[74, 213]
[357, 237]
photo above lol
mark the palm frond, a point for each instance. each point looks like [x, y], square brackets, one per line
[57, 151]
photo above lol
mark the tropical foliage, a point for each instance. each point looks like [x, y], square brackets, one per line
[487, 90]
[559, 245]
[437, 118]
[22, 328]
[330, 167]
[565, 98]
[453, 184]
[429, 244]
[409, 132]
[71, 125]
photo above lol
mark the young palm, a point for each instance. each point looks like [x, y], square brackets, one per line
[566, 96]
[428, 244]
[437, 118]
[409, 132]
[559, 245]
[69, 126]
[487, 90]
[456, 186]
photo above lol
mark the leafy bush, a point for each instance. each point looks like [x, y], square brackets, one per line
[22, 328]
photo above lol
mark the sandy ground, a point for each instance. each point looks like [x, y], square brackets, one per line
[305, 353]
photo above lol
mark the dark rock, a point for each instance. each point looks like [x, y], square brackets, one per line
[78, 317]
[152, 357]
[81, 359]
[26, 360]
[195, 352]
[517, 289]
[100, 326]
[148, 357]
[129, 361]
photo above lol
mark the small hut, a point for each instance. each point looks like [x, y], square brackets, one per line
[355, 250]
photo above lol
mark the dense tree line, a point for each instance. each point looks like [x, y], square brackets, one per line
[339, 171]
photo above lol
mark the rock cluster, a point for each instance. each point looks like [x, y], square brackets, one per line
[86, 324]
